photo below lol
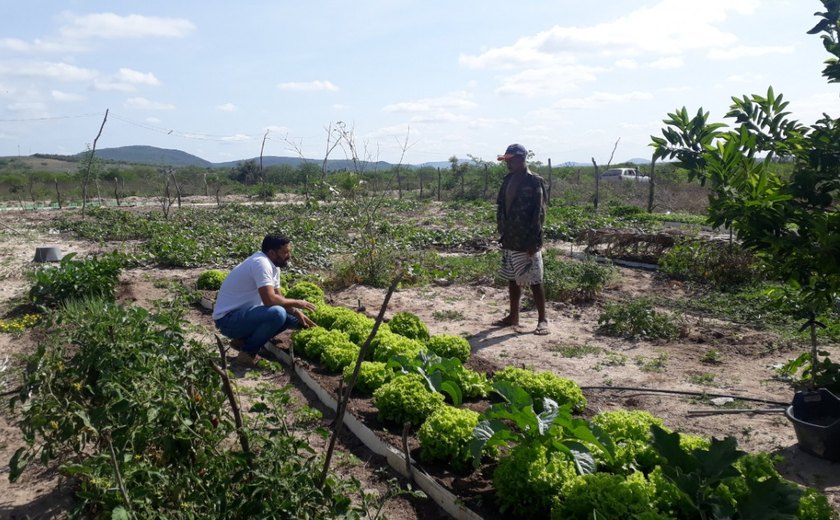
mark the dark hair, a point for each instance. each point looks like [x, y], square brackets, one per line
[272, 242]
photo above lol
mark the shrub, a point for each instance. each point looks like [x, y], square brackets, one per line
[446, 435]
[338, 354]
[717, 263]
[637, 319]
[75, 279]
[528, 478]
[544, 384]
[306, 291]
[448, 346]
[604, 495]
[211, 280]
[575, 281]
[406, 399]
[372, 375]
[386, 345]
[409, 325]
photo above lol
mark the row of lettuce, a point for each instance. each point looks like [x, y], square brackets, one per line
[548, 460]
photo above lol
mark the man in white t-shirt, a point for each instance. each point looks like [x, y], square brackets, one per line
[250, 309]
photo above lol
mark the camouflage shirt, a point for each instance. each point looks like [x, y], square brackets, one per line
[520, 215]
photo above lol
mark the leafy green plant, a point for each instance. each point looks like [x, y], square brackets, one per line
[726, 266]
[575, 281]
[94, 277]
[409, 325]
[356, 325]
[372, 375]
[444, 375]
[540, 385]
[703, 478]
[308, 291]
[211, 280]
[448, 315]
[449, 346]
[637, 319]
[387, 345]
[406, 399]
[526, 480]
[575, 351]
[550, 447]
[311, 342]
[87, 403]
[605, 496]
[446, 435]
[630, 431]
[711, 357]
[338, 354]
[656, 363]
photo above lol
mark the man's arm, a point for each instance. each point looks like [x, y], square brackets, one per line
[271, 296]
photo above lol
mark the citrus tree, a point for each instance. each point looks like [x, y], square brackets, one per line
[790, 219]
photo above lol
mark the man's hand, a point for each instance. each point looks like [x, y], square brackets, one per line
[303, 304]
[304, 319]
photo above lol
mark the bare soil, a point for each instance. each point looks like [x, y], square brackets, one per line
[745, 369]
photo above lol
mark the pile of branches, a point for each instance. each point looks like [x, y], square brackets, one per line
[626, 244]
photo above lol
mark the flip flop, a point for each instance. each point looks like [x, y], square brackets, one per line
[542, 329]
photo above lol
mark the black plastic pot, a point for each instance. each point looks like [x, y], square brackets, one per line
[816, 420]
[47, 254]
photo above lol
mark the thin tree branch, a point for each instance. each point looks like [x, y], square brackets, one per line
[343, 399]
[237, 415]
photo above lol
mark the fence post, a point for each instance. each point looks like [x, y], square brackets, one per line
[438, 197]
[549, 181]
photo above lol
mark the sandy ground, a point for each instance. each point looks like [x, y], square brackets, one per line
[745, 369]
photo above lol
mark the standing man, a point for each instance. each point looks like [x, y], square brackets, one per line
[250, 309]
[520, 214]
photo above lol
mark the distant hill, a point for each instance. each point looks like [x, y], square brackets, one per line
[151, 155]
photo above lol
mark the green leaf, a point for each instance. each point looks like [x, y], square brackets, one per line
[18, 463]
[119, 513]
[583, 459]
[453, 391]
[770, 499]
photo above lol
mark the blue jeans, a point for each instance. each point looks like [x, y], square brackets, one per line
[256, 325]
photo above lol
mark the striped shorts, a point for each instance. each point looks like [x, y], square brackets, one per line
[521, 267]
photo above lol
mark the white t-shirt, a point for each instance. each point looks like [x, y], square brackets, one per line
[240, 288]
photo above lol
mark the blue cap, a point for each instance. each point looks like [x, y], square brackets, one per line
[514, 150]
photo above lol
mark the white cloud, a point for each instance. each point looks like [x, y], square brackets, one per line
[65, 96]
[126, 75]
[548, 81]
[627, 63]
[227, 107]
[671, 62]
[33, 107]
[113, 26]
[152, 120]
[108, 85]
[37, 45]
[744, 51]
[236, 138]
[456, 100]
[746, 78]
[311, 86]
[47, 69]
[141, 103]
[600, 99]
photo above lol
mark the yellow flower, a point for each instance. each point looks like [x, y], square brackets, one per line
[54, 425]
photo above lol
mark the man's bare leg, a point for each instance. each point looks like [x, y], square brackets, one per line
[539, 300]
[512, 319]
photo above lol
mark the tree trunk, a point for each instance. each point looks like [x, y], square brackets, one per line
[177, 188]
[438, 194]
[57, 193]
[117, 191]
[652, 186]
[550, 181]
[597, 183]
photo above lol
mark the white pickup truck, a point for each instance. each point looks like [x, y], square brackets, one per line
[624, 174]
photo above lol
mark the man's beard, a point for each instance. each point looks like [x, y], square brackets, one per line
[280, 263]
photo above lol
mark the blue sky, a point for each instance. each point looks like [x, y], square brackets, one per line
[417, 80]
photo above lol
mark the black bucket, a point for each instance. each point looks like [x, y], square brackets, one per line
[816, 420]
[47, 254]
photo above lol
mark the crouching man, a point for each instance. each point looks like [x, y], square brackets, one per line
[250, 309]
